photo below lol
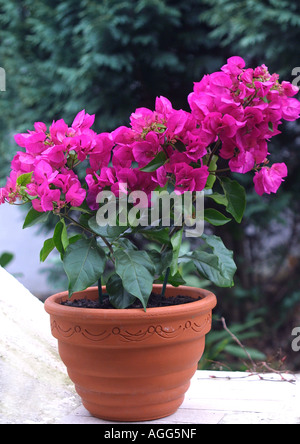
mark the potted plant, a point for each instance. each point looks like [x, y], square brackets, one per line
[132, 345]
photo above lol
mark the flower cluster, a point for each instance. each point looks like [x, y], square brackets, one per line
[233, 114]
[48, 161]
[165, 134]
[243, 109]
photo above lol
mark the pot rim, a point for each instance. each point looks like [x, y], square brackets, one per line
[207, 302]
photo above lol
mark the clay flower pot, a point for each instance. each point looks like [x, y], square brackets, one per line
[132, 365]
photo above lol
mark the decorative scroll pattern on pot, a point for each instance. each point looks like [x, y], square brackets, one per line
[199, 328]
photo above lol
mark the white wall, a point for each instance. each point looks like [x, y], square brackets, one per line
[25, 245]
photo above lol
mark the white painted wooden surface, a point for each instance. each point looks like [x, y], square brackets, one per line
[35, 389]
[228, 398]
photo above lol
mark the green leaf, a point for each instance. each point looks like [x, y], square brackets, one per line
[176, 280]
[5, 259]
[136, 270]
[60, 237]
[215, 218]
[218, 266]
[124, 243]
[75, 238]
[160, 235]
[35, 217]
[212, 167]
[161, 261]
[48, 247]
[118, 296]
[225, 257]
[236, 197]
[24, 179]
[176, 241]
[84, 264]
[81, 210]
[208, 265]
[108, 231]
[156, 163]
[218, 198]
[239, 352]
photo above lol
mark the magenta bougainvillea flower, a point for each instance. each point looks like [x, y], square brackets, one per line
[268, 180]
[233, 115]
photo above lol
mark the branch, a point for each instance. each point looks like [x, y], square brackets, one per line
[108, 244]
[239, 343]
[259, 365]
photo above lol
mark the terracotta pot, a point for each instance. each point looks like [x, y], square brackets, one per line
[132, 365]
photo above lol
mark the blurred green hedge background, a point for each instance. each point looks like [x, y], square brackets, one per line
[112, 56]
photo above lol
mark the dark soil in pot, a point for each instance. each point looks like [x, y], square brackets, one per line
[155, 300]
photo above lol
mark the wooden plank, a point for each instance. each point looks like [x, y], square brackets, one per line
[228, 398]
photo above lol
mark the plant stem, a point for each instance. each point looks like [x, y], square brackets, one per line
[223, 170]
[77, 224]
[254, 367]
[173, 231]
[108, 244]
[214, 150]
[165, 283]
[100, 293]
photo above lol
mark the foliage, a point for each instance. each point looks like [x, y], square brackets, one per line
[265, 30]
[222, 350]
[65, 55]
[5, 259]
